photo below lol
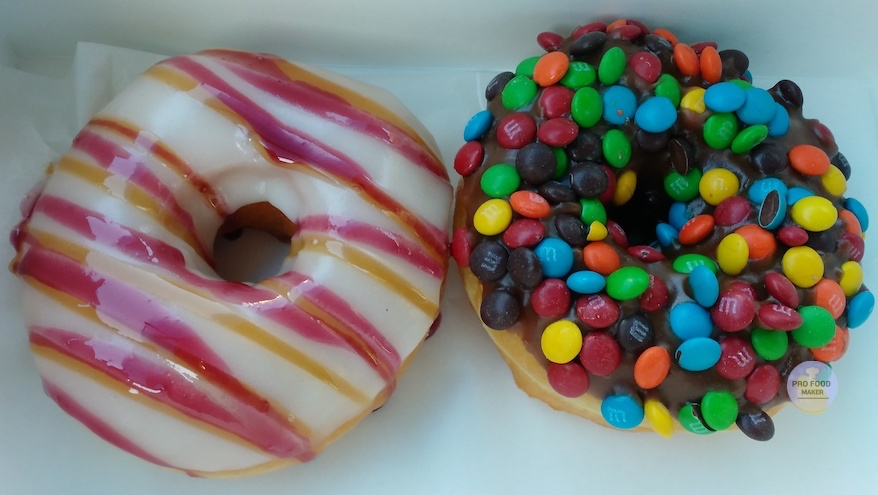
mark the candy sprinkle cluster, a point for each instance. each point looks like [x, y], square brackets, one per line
[669, 238]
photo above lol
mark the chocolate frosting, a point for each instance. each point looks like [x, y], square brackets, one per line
[654, 156]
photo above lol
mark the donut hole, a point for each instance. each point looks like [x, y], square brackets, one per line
[252, 243]
[639, 216]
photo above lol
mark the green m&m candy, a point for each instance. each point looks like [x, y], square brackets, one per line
[518, 92]
[818, 327]
[769, 344]
[747, 139]
[720, 130]
[719, 409]
[687, 262]
[668, 87]
[526, 66]
[500, 180]
[592, 211]
[627, 283]
[586, 107]
[616, 148]
[561, 162]
[579, 74]
[690, 421]
[683, 187]
[612, 66]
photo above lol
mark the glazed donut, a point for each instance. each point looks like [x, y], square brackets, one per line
[134, 333]
[651, 241]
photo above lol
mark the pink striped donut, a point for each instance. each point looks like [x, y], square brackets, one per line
[134, 333]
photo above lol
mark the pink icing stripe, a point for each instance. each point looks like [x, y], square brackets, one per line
[384, 355]
[146, 141]
[331, 107]
[128, 162]
[240, 413]
[97, 425]
[371, 235]
[151, 251]
[120, 301]
[294, 145]
[293, 316]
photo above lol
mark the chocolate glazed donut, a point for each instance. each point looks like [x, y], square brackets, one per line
[651, 240]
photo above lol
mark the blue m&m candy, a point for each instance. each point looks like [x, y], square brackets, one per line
[478, 125]
[620, 103]
[794, 194]
[622, 411]
[689, 320]
[760, 189]
[860, 308]
[666, 234]
[698, 354]
[586, 282]
[724, 97]
[556, 257]
[859, 211]
[705, 286]
[780, 122]
[678, 215]
[758, 108]
[657, 114]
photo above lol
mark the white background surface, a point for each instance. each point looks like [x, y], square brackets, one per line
[456, 423]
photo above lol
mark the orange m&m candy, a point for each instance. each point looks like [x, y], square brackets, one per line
[652, 367]
[601, 257]
[761, 243]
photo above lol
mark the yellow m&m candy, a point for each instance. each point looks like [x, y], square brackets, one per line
[492, 217]
[732, 254]
[658, 416]
[803, 266]
[834, 182]
[851, 278]
[694, 100]
[561, 341]
[625, 185]
[718, 184]
[814, 213]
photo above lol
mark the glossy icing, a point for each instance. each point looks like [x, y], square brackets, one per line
[134, 333]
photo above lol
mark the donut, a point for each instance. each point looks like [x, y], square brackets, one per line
[651, 241]
[136, 336]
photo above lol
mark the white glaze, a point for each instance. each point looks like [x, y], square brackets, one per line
[116, 304]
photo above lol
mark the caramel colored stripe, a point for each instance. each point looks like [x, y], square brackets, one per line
[133, 195]
[180, 80]
[231, 322]
[339, 327]
[250, 331]
[250, 471]
[78, 307]
[175, 78]
[367, 264]
[351, 188]
[166, 156]
[292, 355]
[88, 312]
[333, 323]
[297, 73]
[123, 390]
[59, 244]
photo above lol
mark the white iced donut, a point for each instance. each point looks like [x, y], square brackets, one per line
[134, 333]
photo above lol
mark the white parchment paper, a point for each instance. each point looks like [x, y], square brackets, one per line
[456, 424]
